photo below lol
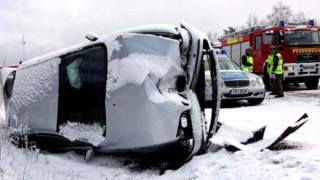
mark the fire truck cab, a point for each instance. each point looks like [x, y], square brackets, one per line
[298, 44]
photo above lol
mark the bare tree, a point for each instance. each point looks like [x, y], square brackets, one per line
[264, 22]
[229, 30]
[299, 17]
[253, 20]
[280, 11]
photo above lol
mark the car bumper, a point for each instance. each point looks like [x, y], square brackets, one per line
[301, 70]
[253, 93]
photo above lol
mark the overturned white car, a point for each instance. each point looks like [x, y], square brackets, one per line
[138, 90]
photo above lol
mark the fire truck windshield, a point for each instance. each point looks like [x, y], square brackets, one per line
[302, 37]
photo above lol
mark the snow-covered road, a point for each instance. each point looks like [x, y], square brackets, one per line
[297, 157]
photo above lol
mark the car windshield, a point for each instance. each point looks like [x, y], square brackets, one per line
[302, 37]
[228, 65]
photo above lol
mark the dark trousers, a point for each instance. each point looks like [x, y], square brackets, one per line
[277, 86]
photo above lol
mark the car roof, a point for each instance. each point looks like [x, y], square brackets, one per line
[158, 29]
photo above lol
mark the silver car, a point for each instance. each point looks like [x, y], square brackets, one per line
[237, 84]
[137, 90]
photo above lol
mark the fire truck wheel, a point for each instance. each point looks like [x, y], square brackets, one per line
[312, 83]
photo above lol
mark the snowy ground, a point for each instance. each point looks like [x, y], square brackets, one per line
[297, 157]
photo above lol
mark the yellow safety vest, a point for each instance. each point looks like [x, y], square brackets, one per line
[249, 60]
[270, 63]
[279, 69]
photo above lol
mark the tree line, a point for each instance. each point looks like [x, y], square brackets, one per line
[280, 11]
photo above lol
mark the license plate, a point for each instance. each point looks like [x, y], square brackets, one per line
[238, 91]
[308, 67]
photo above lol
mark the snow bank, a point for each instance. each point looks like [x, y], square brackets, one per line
[302, 162]
[32, 84]
[74, 130]
[227, 132]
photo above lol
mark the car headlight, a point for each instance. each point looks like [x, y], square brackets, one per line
[253, 82]
[259, 81]
[288, 68]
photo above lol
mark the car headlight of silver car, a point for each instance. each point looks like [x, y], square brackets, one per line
[253, 82]
[259, 81]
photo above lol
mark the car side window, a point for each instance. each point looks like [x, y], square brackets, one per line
[84, 67]
[82, 86]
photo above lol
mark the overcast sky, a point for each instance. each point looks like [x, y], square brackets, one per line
[48, 25]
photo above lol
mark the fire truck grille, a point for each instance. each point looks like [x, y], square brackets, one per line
[307, 57]
[237, 83]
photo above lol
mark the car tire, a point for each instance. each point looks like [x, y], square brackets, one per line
[312, 83]
[255, 101]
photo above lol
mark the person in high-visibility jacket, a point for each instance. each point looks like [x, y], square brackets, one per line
[275, 69]
[266, 75]
[247, 60]
[271, 77]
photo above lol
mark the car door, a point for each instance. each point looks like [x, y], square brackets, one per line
[257, 53]
[82, 87]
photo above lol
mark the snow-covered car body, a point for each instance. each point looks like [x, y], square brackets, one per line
[237, 84]
[139, 90]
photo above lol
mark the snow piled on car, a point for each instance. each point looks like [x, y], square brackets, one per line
[135, 69]
[153, 64]
[163, 92]
[93, 133]
[144, 68]
[31, 85]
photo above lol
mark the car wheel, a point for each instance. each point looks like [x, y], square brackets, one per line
[312, 83]
[193, 141]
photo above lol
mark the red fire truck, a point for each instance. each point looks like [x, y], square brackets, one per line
[299, 46]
